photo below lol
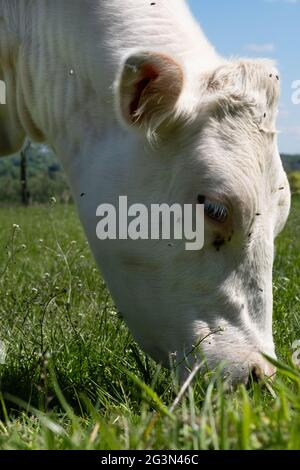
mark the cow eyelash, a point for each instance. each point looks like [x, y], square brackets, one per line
[214, 210]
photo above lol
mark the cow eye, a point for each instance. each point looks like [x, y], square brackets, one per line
[214, 210]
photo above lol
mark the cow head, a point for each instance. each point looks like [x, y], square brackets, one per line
[211, 141]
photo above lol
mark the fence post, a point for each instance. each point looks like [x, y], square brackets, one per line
[25, 194]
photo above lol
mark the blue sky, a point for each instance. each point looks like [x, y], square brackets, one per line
[260, 28]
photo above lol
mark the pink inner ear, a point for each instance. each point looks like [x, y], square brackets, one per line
[148, 74]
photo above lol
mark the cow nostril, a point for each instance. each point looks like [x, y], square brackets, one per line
[256, 375]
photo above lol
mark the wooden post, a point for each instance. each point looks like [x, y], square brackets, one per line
[25, 194]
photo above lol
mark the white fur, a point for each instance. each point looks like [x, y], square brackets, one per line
[214, 141]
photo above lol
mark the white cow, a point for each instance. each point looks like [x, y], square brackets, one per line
[136, 102]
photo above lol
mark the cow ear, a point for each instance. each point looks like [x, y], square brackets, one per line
[149, 88]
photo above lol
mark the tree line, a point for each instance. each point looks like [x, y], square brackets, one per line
[34, 176]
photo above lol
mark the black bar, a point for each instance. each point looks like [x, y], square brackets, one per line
[134, 459]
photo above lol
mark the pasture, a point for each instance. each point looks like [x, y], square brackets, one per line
[75, 379]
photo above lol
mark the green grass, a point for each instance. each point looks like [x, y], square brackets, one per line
[294, 179]
[75, 379]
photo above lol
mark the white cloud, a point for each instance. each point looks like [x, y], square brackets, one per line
[261, 48]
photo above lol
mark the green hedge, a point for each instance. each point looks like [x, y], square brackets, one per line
[294, 179]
